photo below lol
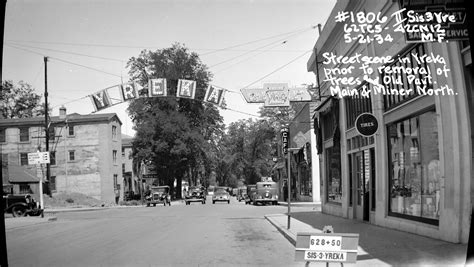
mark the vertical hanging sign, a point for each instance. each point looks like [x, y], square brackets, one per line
[157, 87]
[129, 91]
[186, 89]
[284, 139]
[100, 100]
[214, 95]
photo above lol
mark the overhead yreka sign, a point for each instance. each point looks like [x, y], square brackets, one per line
[156, 88]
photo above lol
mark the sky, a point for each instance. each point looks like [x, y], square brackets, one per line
[244, 43]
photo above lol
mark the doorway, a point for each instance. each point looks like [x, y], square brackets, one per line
[361, 175]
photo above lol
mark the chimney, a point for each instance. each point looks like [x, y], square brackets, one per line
[62, 112]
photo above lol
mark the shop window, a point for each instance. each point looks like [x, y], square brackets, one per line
[333, 174]
[415, 168]
[399, 80]
[24, 134]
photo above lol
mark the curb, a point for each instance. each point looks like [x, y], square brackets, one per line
[287, 234]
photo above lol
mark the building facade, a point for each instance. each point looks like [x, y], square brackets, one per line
[131, 182]
[84, 154]
[413, 174]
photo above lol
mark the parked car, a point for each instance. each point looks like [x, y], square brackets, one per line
[158, 195]
[21, 205]
[266, 192]
[241, 193]
[221, 194]
[195, 194]
[251, 190]
[210, 190]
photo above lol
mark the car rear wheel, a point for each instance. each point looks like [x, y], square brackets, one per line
[148, 204]
[228, 201]
[204, 202]
[164, 203]
[18, 211]
[213, 202]
[154, 205]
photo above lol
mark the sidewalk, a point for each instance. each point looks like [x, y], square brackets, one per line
[378, 246]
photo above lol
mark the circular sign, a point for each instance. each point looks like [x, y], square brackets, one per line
[366, 124]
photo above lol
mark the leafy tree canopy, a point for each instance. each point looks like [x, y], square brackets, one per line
[178, 136]
[19, 101]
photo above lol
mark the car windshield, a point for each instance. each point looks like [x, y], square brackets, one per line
[194, 188]
[221, 191]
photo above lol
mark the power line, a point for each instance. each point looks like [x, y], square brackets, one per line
[279, 68]
[84, 66]
[69, 52]
[258, 40]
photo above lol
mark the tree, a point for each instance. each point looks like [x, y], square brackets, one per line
[178, 136]
[246, 152]
[19, 101]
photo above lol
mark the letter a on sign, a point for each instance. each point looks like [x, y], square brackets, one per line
[186, 89]
[214, 95]
[100, 100]
[129, 91]
[157, 87]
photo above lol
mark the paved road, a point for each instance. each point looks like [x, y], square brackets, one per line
[218, 234]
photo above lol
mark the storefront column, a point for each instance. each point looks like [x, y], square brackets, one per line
[316, 179]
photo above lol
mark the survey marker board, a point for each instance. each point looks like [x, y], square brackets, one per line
[326, 247]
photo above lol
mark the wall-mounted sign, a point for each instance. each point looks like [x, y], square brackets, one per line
[366, 124]
[326, 247]
[150, 176]
[38, 158]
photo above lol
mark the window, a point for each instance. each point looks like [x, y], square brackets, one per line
[114, 156]
[24, 134]
[357, 105]
[70, 131]
[3, 137]
[52, 183]
[23, 159]
[52, 158]
[123, 152]
[123, 167]
[114, 132]
[414, 168]
[72, 155]
[394, 100]
[4, 161]
[333, 174]
[52, 134]
[115, 181]
[25, 189]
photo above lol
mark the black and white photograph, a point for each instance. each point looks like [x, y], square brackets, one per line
[237, 133]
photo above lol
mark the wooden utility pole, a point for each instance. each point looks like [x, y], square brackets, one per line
[46, 119]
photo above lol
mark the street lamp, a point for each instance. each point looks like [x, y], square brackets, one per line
[289, 184]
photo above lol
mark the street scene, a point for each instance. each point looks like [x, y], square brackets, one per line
[239, 133]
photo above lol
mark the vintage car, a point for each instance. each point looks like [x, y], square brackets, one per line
[158, 195]
[195, 194]
[251, 190]
[241, 193]
[221, 194]
[266, 192]
[21, 205]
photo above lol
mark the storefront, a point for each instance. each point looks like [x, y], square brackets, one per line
[413, 174]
